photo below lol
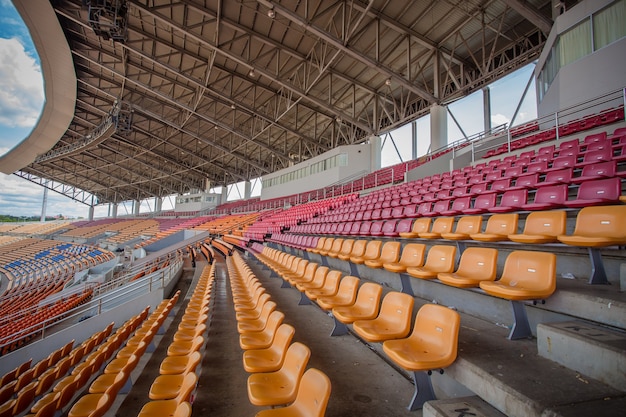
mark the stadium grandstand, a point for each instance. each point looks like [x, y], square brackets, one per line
[486, 277]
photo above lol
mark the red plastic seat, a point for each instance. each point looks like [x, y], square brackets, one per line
[502, 184]
[539, 166]
[459, 205]
[482, 204]
[596, 171]
[511, 200]
[526, 181]
[597, 192]
[559, 176]
[600, 155]
[550, 196]
[376, 228]
[560, 162]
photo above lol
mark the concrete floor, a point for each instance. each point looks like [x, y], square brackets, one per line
[364, 383]
[222, 382]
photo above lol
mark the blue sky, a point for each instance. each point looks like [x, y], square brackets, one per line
[21, 100]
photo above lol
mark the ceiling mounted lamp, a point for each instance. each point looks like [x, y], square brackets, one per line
[232, 106]
[271, 13]
[388, 82]
[252, 73]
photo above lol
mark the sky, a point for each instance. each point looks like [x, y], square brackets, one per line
[22, 98]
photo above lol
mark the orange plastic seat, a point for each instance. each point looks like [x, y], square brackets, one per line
[527, 275]
[317, 282]
[105, 380]
[281, 386]
[307, 276]
[393, 321]
[433, 344]
[440, 225]
[365, 307]
[412, 255]
[264, 338]
[499, 227]
[185, 348]
[320, 244]
[420, 225]
[330, 287]
[598, 226]
[390, 252]
[477, 264]
[334, 248]
[327, 245]
[95, 405]
[542, 227]
[311, 399]
[170, 407]
[466, 226]
[440, 258]
[346, 294]
[173, 365]
[255, 313]
[346, 248]
[269, 359]
[255, 325]
[372, 251]
[358, 249]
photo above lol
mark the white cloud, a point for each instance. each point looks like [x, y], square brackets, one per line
[499, 119]
[21, 85]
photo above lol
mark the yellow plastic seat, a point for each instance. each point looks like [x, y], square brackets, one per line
[258, 324]
[269, 359]
[420, 225]
[302, 264]
[165, 408]
[346, 248]
[412, 255]
[466, 226]
[372, 251]
[440, 225]
[542, 227]
[320, 245]
[390, 252]
[597, 227]
[365, 307]
[327, 245]
[527, 275]
[433, 344]
[24, 398]
[173, 365]
[264, 338]
[499, 227]
[118, 365]
[393, 321]
[189, 334]
[477, 264]
[311, 399]
[346, 294]
[259, 296]
[95, 405]
[330, 287]
[358, 249]
[440, 258]
[280, 387]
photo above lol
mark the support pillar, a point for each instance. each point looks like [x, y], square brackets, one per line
[114, 210]
[91, 210]
[414, 140]
[136, 204]
[158, 204]
[375, 153]
[486, 109]
[44, 203]
[247, 190]
[438, 127]
[224, 195]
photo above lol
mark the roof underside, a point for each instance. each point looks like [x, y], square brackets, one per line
[325, 73]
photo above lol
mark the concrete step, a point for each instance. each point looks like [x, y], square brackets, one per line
[587, 348]
[456, 407]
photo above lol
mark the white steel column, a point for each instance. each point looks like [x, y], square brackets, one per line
[438, 127]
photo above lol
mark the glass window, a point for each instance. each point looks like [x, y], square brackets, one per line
[575, 43]
[609, 24]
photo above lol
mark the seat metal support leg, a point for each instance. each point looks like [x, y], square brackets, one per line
[324, 260]
[339, 329]
[405, 282]
[304, 300]
[423, 390]
[598, 274]
[285, 284]
[521, 326]
[354, 271]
